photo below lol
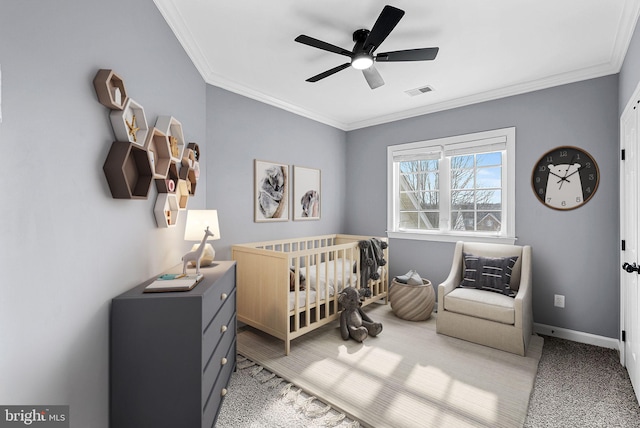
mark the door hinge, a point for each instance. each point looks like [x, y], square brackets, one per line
[624, 245]
[622, 154]
[624, 336]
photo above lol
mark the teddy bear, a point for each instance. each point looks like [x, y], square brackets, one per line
[354, 322]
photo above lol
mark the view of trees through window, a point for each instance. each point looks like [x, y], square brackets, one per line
[474, 192]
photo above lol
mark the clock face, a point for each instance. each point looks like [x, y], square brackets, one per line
[565, 178]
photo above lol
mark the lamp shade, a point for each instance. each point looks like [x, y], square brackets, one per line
[198, 221]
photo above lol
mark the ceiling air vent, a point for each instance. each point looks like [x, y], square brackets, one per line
[418, 91]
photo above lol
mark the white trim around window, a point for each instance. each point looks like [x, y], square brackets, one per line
[443, 149]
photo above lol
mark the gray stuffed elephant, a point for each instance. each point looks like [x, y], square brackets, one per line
[354, 322]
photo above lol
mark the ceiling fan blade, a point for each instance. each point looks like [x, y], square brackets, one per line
[424, 54]
[306, 40]
[374, 79]
[386, 22]
[328, 72]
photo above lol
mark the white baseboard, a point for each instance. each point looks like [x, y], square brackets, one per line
[577, 336]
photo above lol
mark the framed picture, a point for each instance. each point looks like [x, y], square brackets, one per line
[271, 191]
[306, 193]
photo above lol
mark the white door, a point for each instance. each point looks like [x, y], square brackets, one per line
[629, 303]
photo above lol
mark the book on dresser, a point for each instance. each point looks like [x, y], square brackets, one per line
[173, 282]
[172, 353]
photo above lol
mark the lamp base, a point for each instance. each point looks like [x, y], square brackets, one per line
[207, 255]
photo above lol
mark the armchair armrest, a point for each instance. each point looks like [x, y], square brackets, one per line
[455, 276]
[524, 297]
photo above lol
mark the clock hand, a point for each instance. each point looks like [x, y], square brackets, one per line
[572, 173]
[569, 166]
[562, 178]
[566, 177]
[567, 171]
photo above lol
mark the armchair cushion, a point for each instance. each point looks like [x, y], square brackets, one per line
[488, 273]
[481, 304]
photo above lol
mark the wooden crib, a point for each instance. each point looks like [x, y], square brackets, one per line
[290, 287]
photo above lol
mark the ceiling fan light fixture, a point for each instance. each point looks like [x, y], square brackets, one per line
[361, 61]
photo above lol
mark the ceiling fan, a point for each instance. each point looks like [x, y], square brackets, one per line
[366, 42]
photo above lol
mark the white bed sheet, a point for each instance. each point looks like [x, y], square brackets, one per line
[335, 271]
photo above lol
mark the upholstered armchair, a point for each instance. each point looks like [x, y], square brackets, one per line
[489, 318]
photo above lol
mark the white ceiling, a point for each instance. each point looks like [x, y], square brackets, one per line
[488, 49]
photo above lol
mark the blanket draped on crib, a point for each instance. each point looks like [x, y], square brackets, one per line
[371, 259]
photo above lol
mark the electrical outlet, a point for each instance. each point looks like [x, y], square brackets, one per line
[558, 300]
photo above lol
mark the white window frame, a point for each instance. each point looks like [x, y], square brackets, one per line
[503, 139]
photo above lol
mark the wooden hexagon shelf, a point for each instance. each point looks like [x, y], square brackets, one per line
[128, 171]
[130, 124]
[169, 183]
[188, 158]
[110, 89]
[189, 176]
[166, 210]
[173, 130]
[196, 150]
[157, 146]
[182, 194]
[196, 169]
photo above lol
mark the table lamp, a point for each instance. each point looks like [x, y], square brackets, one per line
[198, 221]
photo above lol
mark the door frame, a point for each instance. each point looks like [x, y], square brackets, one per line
[628, 109]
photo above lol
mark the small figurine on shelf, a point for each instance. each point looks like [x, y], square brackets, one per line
[173, 143]
[196, 254]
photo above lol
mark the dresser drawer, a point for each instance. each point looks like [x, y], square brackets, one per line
[219, 327]
[215, 363]
[217, 296]
[212, 406]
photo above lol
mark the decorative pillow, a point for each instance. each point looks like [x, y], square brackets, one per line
[488, 273]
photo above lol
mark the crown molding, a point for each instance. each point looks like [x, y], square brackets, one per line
[176, 22]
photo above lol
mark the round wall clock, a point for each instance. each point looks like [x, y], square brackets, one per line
[565, 178]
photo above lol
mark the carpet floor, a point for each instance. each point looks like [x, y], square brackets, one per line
[581, 386]
[388, 381]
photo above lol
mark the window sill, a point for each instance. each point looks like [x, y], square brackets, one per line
[451, 237]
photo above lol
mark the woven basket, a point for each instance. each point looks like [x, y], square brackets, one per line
[412, 302]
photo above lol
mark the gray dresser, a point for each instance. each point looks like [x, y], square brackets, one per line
[172, 353]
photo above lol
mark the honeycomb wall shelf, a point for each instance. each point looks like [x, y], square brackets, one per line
[196, 150]
[110, 89]
[173, 130]
[157, 145]
[189, 176]
[182, 194]
[188, 158]
[166, 210]
[128, 171]
[143, 154]
[130, 123]
[169, 183]
[192, 149]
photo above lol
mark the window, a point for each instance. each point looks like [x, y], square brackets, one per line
[455, 188]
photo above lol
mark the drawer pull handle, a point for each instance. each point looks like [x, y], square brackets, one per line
[223, 392]
[223, 328]
[223, 296]
[223, 361]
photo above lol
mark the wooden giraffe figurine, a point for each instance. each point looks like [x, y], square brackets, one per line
[196, 254]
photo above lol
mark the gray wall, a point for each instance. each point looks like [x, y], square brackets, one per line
[575, 253]
[240, 130]
[67, 248]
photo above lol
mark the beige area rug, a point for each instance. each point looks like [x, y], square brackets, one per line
[408, 376]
